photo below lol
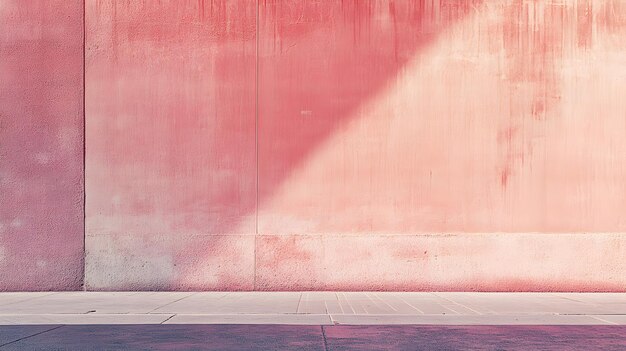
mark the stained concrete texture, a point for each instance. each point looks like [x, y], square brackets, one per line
[313, 308]
[418, 145]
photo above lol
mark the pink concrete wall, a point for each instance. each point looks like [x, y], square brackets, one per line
[41, 144]
[171, 158]
[388, 117]
[377, 145]
[442, 145]
[294, 144]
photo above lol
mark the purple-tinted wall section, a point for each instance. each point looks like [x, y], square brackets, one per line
[41, 144]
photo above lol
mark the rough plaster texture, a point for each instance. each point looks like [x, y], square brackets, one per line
[458, 116]
[454, 262]
[41, 144]
[333, 145]
[170, 100]
[293, 144]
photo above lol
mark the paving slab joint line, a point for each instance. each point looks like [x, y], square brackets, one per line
[167, 304]
[338, 303]
[565, 297]
[420, 311]
[458, 304]
[385, 302]
[30, 336]
[299, 301]
[168, 318]
[324, 337]
[332, 320]
[604, 320]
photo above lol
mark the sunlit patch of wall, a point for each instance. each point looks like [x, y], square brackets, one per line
[494, 152]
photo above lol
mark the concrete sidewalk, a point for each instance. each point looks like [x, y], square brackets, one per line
[312, 308]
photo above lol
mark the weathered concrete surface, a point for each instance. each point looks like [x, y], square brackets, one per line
[292, 144]
[458, 116]
[170, 100]
[283, 145]
[41, 144]
[313, 308]
[502, 123]
[454, 262]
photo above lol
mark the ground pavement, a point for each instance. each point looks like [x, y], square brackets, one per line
[312, 321]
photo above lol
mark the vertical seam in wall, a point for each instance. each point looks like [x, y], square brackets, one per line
[256, 138]
[84, 148]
